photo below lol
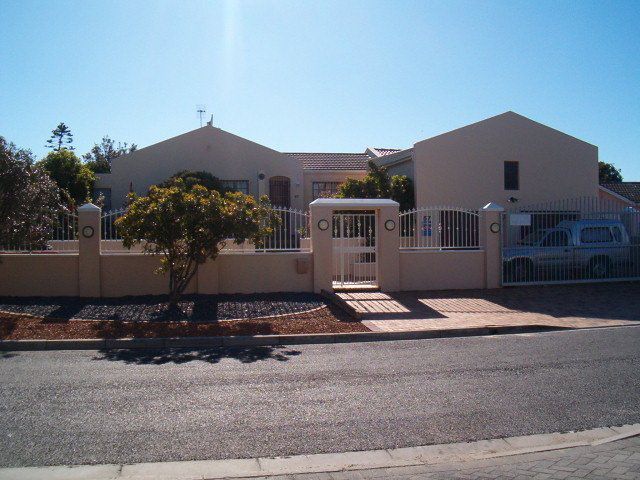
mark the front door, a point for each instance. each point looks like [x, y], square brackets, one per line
[354, 249]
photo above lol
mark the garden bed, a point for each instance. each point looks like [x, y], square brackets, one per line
[193, 308]
[325, 319]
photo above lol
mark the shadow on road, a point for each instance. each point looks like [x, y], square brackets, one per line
[209, 355]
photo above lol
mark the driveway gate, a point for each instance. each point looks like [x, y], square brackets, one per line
[354, 249]
[573, 241]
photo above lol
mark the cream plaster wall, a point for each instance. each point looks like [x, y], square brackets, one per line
[47, 275]
[442, 270]
[465, 167]
[211, 149]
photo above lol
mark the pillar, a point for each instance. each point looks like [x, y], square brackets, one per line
[388, 248]
[89, 250]
[491, 221]
[322, 246]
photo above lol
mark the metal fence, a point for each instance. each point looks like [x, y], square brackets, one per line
[570, 241]
[108, 229]
[289, 234]
[50, 233]
[354, 249]
[439, 228]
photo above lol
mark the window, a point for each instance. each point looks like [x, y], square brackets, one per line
[280, 191]
[511, 176]
[241, 186]
[595, 235]
[324, 189]
[106, 193]
[556, 238]
[617, 234]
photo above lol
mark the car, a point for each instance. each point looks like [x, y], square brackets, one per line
[589, 248]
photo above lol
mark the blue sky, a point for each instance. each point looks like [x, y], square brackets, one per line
[320, 76]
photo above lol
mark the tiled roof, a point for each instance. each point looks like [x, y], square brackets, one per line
[385, 151]
[630, 190]
[332, 161]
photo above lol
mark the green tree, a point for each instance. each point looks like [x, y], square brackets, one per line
[608, 173]
[61, 138]
[29, 199]
[191, 178]
[378, 184]
[187, 226]
[99, 158]
[74, 178]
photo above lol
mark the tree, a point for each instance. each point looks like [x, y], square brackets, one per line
[378, 184]
[608, 173]
[191, 178]
[74, 179]
[29, 199]
[99, 158]
[61, 138]
[187, 226]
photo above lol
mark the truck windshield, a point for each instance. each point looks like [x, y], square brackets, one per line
[533, 238]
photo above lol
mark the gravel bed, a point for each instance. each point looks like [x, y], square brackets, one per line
[197, 308]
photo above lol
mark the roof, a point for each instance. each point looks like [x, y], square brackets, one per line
[381, 152]
[628, 190]
[332, 161]
[340, 161]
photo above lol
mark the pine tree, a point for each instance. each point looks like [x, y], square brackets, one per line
[61, 138]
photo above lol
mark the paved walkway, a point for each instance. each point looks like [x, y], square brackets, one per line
[568, 306]
[617, 460]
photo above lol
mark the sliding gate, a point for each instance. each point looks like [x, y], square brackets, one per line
[354, 249]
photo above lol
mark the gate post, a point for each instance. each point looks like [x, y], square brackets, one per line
[491, 215]
[89, 250]
[388, 232]
[322, 246]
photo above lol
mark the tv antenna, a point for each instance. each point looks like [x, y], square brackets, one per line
[201, 109]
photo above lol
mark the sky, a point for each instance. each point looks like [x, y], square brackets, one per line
[319, 75]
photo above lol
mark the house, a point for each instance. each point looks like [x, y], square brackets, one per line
[622, 194]
[506, 159]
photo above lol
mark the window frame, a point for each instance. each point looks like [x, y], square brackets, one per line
[325, 183]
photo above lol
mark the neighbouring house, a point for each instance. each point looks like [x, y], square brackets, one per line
[623, 194]
[505, 159]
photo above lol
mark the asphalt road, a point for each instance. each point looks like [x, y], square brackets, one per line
[95, 407]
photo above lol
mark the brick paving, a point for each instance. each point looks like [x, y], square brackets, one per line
[568, 306]
[617, 460]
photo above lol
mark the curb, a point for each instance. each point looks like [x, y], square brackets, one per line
[262, 340]
[262, 467]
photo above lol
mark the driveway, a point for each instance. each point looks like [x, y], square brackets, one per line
[557, 306]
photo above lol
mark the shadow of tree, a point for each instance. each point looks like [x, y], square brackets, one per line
[4, 354]
[209, 355]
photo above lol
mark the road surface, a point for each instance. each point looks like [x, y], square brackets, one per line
[141, 406]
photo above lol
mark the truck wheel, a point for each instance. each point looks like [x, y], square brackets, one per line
[599, 267]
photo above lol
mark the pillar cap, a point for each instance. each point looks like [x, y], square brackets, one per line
[89, 207]
[492, 207]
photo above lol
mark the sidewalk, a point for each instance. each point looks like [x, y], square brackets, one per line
[597, 453]
[617, 460]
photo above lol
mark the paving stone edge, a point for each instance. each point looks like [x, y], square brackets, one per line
[328, 462]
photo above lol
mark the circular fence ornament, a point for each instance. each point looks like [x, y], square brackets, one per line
[323, 224]
[88, 231]
[390, 225]
[494, 227]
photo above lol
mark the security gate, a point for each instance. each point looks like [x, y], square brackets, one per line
[571, 241]
[354, 249]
